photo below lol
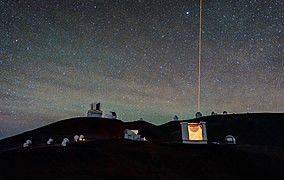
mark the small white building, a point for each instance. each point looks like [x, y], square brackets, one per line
[229, 139]
[133, 135]
[76, 138]
[49, 141]
[194, 133]
[27, 143]
[95, 110]
[82, 138]
[110, 115]
[64, 142]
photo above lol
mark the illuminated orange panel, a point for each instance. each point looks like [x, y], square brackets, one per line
[195, 132]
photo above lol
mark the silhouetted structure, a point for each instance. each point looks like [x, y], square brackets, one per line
[175, 118]
[95, 110]
[198, 115]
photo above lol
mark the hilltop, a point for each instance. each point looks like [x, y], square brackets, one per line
[259, 152]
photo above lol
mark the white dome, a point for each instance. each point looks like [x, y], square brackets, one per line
[110, 115]
[28, 141]
[50, 141]
[76, 138]
[229, 139]
[66, 140]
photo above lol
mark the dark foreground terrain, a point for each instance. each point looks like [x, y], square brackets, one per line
[123, 159]
[258, 154]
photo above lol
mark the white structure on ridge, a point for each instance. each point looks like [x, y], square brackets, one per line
[194, 133]
[82, 138]
[110, 115]
[27, 143]
[229, 139]
[65, 141]
[133, 135]
[95, 110]
[76, 138]
[50, 141]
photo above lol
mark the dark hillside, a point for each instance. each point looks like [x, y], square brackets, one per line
[259, 153]
[99, 128]
[122, 159]
[254, 129]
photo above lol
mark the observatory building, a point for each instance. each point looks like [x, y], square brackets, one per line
[133, 135]
[198, 115]
[194, 133]
[110, 115]
[95, 110]
[229, 139]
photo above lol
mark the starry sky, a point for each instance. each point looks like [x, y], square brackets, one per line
[138, 58]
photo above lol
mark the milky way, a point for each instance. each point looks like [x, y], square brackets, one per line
[138, 58]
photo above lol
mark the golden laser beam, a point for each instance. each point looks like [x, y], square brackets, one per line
[199, 56]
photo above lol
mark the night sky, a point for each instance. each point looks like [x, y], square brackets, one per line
[138, 58]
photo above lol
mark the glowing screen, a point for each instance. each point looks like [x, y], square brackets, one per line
[195, 132]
